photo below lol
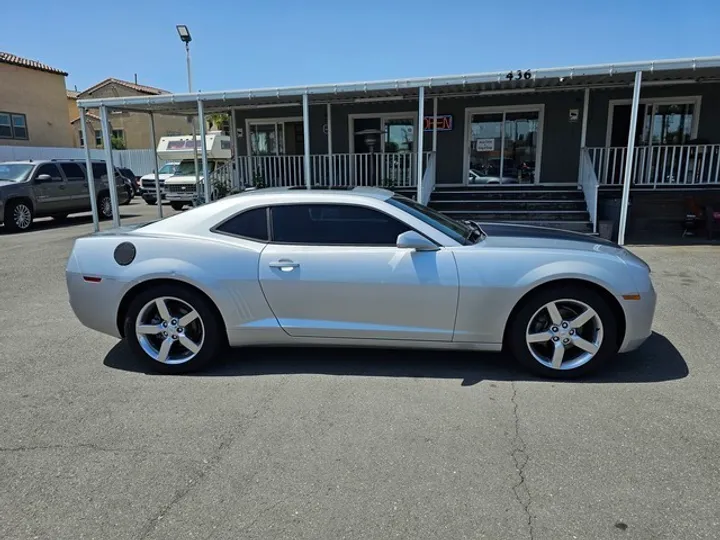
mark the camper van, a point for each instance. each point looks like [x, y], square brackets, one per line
[180, 188]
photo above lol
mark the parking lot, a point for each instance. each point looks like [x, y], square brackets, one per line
[329, 443]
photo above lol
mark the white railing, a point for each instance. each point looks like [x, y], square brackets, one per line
[390, 170]
[666, 165]
[428, 179]
[589, 184]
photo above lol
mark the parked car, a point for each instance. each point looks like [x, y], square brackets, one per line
[56, 188]
[134, 179]
[147, 182]
[362, 267]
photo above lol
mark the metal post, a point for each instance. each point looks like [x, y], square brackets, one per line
[306, 139]
[419, 143]
[203, 147]
[236, 158]
[586, 108]
[153, 142]
[330, 150]
[629, 159]
[192, 120]
[90, 175]
[109, 164]
[435, 113]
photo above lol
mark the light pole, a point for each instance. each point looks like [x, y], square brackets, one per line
[186, 38]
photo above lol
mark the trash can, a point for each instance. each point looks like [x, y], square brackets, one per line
[610, 212]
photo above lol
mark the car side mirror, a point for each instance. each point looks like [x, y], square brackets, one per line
[43, 178]
[416, 241]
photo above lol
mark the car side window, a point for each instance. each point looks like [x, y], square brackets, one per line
[73, 172]
[99, 170]
[334, 224]
[249, 224]
[51, 170]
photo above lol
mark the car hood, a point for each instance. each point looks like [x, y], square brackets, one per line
[151, 176]
[514, 235]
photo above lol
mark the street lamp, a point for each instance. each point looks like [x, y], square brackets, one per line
[184, 33]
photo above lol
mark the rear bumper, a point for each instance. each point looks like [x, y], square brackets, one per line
[95, 304]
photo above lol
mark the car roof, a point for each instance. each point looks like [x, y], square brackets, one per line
[209, 214]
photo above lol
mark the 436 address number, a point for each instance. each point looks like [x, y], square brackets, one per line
[519, 74]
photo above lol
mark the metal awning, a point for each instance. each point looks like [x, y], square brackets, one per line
[677, 71]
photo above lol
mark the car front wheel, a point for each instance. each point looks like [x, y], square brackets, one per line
[173, 329]
[18, 216]
[563, 332]
[177, 206]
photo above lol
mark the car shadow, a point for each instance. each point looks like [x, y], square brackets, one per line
[656, 361]
[46, 224]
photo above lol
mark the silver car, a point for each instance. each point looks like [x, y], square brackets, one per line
[360, 267]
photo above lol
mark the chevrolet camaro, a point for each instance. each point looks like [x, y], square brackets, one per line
[358, 267]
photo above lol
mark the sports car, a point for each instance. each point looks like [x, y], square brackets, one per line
[358, 267]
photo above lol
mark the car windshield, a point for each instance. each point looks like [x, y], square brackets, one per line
[168, 168]
[187, 168]
[464, 232]
[14, 172]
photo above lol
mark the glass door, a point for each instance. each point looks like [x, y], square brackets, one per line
[503, 147]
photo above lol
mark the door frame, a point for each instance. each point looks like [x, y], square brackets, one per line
[673, 100]
[272, 120]
[381, 116]
[469, 111]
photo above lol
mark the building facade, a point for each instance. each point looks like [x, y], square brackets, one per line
[33, 107]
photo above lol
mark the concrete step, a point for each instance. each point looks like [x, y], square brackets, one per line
[492, 194]
[519, 215]
[507, 204]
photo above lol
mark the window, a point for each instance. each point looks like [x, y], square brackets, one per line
[458, 231]
[73, 172]
[51, 169]
[276, 137]
[98, 137]
[118, 134]
[334, 224]
[250, 224]
[660, 121]
[13, 126]
[99, 170]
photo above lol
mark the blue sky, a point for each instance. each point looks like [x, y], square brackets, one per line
[246, 44]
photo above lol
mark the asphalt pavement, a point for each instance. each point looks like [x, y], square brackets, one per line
[331, 443]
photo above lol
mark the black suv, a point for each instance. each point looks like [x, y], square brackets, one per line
[56, 188]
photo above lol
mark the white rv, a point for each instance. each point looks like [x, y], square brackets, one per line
[181, 189]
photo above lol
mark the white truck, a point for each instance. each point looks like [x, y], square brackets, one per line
[147, 182]
[181, 188]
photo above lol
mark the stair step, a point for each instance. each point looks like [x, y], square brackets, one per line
[519, 215]
[474, 195]
[503, 204]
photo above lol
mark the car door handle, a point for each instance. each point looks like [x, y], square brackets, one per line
[284, 265]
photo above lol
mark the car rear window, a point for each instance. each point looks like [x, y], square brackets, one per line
[251, 224]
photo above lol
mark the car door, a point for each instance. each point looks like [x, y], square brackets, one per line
[51, 194]
[333, 270]
[77, 186]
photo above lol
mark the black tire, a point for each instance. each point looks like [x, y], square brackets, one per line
[104, 206]
[518, 326]
[130, 194]
[214, 338]
[177, 206]
[18, 216]
[151, 202]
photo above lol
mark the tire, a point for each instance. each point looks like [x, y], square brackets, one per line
[177, 206]
[533, 318]
[151, 202]
[205, 330]
[18, 216]
[104, 206]
[130, 194]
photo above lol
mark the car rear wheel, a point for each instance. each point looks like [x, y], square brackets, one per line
[173, 329]
[130, 194]
[177, 206]
[18, 216]
[104, 206]
[563, 332]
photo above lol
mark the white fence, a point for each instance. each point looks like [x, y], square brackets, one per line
[653, 166]
[589, 185]
[139, 161]
[380, 169]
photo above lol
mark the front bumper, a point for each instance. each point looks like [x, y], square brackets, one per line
[639, 315]
[187, 196]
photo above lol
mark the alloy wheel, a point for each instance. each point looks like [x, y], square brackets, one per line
[170, 330]
[106, 206]
[564, 334]
[22, 216]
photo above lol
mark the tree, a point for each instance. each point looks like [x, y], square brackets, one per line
[220, 122]
[117, 143]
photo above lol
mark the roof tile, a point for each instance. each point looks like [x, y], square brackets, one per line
[8, 58]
